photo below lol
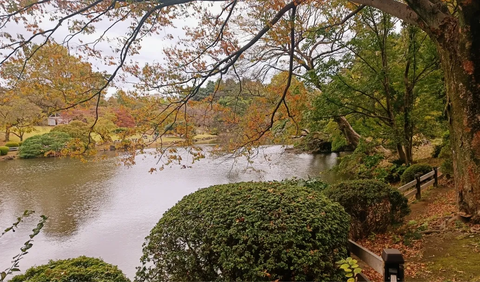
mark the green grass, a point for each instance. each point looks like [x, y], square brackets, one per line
[200, 138]
[38, 130]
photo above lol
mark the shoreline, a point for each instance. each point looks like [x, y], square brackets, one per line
[13, 155]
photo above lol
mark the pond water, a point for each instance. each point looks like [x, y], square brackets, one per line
[102, 209]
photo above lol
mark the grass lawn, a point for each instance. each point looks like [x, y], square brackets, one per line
[38, 130]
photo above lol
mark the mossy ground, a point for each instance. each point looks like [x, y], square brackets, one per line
[453, 256]
[436, 244]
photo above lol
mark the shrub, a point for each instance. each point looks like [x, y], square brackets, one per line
[436, 150]
[447, 168]
[409, 174]
[447, 165]
[360, 164]
[83, 269]
[372, 205]
[76, 129]
[390, 173]
[12, 144]
[38, 145]
[445, 143]
[247, 231]
[313, 183]
[4, 150]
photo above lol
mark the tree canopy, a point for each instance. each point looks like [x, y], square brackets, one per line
[216, 42]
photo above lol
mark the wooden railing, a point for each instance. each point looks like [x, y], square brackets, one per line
[390, 264]
[420, 183]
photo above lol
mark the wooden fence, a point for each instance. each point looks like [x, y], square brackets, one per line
[420, 183]
[391, 264]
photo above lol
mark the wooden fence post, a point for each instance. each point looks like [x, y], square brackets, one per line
[418, 196]
[435, 184]
[393, 261]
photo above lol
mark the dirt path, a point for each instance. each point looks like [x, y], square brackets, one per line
[436, 244]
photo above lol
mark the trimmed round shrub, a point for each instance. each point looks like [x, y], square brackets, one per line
[12, 144]
[4, 150]
[409, 174]
[372, 205]
[38, 145]
[247, 231]
[83, 269]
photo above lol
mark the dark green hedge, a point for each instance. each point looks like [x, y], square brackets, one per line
[4, 150]
[81, 269]
[38, 145]
[316, 184]
[250, 232]
[409, 174]
[372, 205]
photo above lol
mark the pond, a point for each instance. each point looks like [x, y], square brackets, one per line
[102, 209]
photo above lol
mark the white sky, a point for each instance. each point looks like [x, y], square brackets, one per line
[151, 50]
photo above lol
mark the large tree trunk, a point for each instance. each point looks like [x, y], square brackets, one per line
[350, 134]
[459, 46]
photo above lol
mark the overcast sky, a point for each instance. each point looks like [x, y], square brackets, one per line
[151, 51]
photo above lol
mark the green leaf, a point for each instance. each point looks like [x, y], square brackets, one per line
[351, 280]
[3, 275]
[344, 266]
[357, 270]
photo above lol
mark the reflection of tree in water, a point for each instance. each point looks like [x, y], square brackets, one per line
[67, 191]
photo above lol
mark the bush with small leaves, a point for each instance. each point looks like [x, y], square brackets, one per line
[83, 269]
[12, 144]
[316, 184]
[372, 205]
[39, 145]
[4, 150]
[247, 231]
[410, 173]
[76, 129]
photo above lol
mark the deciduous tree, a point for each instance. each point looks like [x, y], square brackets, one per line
[452, 24]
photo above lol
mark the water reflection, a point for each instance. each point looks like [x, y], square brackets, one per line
[69, 189]
[103, 210]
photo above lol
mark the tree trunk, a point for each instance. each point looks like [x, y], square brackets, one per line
[350, 134]
[7, 133]
[401, 153]
[353, 138]
[409, 152]
[459, 47]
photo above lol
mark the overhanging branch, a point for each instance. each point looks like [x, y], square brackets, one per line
[394, 8]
